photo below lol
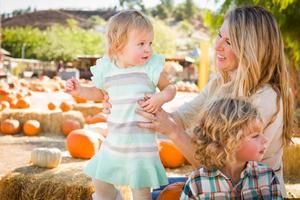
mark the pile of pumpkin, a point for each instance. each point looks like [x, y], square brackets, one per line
[186, 87]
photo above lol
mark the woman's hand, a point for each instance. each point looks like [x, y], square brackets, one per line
[161, 122]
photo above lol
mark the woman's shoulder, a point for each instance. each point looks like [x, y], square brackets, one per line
[266, 90]
[266, 96]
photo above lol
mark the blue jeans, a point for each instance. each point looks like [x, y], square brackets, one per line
[156, 192]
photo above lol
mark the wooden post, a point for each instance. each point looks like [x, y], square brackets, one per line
[203, 72]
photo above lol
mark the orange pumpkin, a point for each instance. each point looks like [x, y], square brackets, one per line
[171, 192]
[78, 99]
[51, 106]
[64, 106]
[83, 143]
[9, 98]
[170, 156]
[23, 103]
[10, 126]
[20, 95]
[31, 127]
[95, 119]
[5, 104]
[4, 92]
[69, 125]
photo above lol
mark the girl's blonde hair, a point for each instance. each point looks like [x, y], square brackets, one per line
[257, 43]
[120, 25]
[218, 131]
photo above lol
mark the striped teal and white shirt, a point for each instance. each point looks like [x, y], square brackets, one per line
[129, 155]
[257, 182]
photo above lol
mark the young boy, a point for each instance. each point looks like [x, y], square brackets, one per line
[230, 142]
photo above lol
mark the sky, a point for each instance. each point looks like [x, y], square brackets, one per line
[7, 6]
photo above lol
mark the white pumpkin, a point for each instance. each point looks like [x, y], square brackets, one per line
[46, 157]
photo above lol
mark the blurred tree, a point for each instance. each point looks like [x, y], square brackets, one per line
[133, 4]
[164, 38]
[95, 20]
[55, 43]
[28, 39]
[185, 10]
[164, 9]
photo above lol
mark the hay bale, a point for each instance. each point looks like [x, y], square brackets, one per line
[291, 160]
[51, 121]
[88, 108]
[33, 183]
[66, 182]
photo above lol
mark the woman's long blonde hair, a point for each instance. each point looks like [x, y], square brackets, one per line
[257, 43]
[219, 129]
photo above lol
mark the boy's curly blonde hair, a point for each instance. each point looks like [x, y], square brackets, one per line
[120, 25]
[219, 129]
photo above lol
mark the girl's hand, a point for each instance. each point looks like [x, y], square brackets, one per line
[152, 102]
[106, 104]
[161, 122]
[72, 87]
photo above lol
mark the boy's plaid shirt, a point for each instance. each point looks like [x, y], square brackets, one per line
[257, 182]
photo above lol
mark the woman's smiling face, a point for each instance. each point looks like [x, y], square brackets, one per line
[226, 59]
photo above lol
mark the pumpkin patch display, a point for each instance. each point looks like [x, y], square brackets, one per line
[46, 157]
[78, 99]
[64, 106]
[83, 144]
[170, 156]
[23, 103]
[99, 118]
[5, 105]
[10, 126]
[51, 106]
[31, 127]
[69, 125]
[171, 192]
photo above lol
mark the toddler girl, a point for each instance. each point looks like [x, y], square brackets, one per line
[129, 155]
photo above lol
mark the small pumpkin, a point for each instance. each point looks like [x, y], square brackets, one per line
[95, 119]
[64, 106]
[10, 126]
[51, 106]
[69, 125]
[23, 103]
[46, 157]
[170, 156]
[171, 192]
[31, 127]
[5, 105]
[83, 143]
[78, 99]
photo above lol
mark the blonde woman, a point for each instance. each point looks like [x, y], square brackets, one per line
[251, 63]
[129, 156]
[227, 131]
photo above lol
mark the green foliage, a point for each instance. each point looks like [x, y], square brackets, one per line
[55, 43]
[95, 20]
[132, 4]
[185, 11]
[164, 9]
[164, 38]
[186, 27]
[14, 39]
